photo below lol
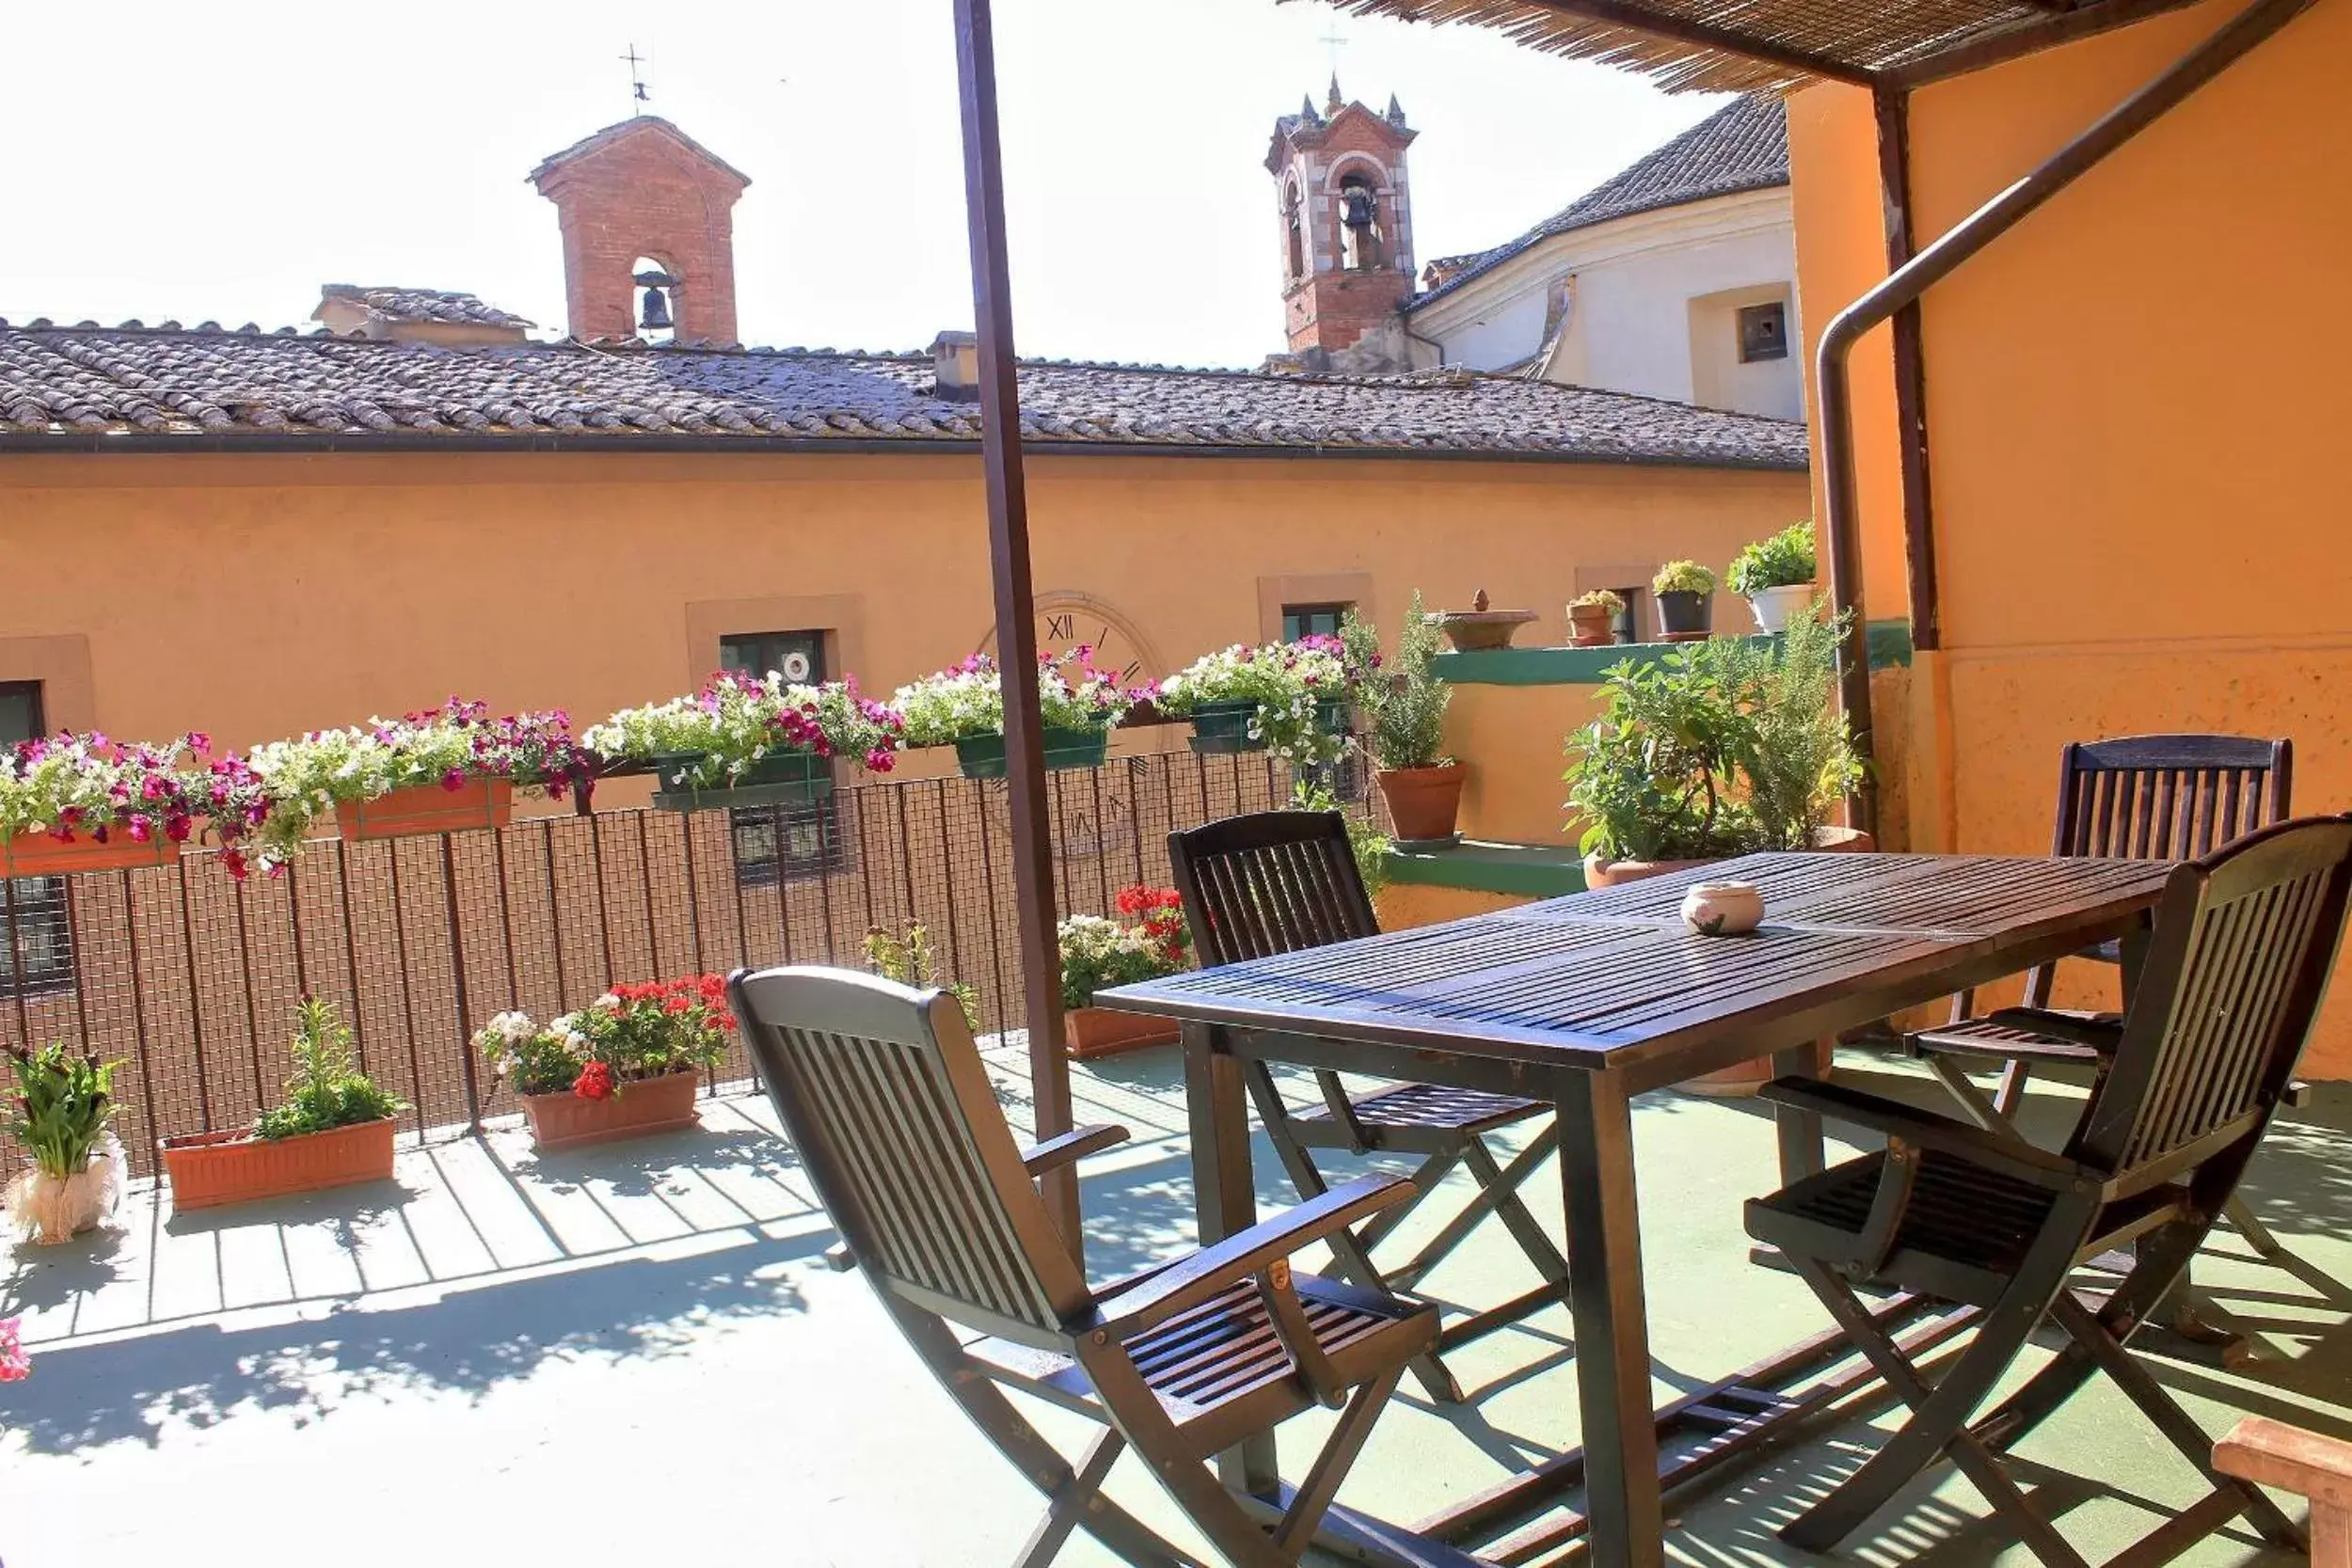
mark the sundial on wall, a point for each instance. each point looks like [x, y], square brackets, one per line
[1092, 810]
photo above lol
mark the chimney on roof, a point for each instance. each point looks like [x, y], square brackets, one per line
[640, 197]
[956, 366]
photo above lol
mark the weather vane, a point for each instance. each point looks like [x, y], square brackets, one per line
[637, 92]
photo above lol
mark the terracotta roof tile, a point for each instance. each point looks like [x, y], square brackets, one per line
[62, 384]
[424, 305]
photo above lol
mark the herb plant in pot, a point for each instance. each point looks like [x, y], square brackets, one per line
[1776, 576]
[333, 1128]
[628, 1063]
[908, 956]
[964, 707]
[1146, 939]
[1403, 709]
[1592, 618]
[1685, 591]
[64, 1103]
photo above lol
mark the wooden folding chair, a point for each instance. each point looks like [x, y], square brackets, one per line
[2150, 797]
[884, 1095]
[2236, 968]
[1280, 882]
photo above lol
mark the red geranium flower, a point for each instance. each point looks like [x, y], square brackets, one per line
[593, 1083]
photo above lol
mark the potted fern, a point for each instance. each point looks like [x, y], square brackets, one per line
[1685, 591]
[333, 1128]
[64, 1103]
[1405, 713]
[1775, 576]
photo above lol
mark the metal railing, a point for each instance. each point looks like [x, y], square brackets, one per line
[189, 979]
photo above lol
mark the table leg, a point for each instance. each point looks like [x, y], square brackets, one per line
[1800, 1132]
[1225, 1197]
[1612, 1322]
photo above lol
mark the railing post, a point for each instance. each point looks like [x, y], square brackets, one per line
[457, 982]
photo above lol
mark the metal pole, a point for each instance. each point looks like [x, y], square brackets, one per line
[1938, 261]
[1016, 610]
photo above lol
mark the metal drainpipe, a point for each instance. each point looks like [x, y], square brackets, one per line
[2235, 39]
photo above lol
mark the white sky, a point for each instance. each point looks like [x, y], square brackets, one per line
[172, 162]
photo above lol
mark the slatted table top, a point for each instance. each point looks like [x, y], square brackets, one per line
[1604, 978]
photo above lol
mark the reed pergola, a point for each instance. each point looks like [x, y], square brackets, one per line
[1889, 48]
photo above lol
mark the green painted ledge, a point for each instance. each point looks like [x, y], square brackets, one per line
[1889, 642]
[1537, 870]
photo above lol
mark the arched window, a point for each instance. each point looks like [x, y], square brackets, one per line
[1359, 223]
[1295, 228]
[657, 321]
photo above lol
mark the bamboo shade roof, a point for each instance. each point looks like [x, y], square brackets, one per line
[1747, 45]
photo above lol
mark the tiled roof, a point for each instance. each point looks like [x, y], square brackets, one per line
[1742, 147]
[424, 305]
[83, 384]
[611, 133]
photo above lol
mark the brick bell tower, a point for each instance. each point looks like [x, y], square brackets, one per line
[1346, 232]
[646, 192]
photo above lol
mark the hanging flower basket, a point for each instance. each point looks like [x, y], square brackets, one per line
[39, 855]
[781, 777]
[479, 802]
[211, 1169]
[982, 757]
[567, 1120]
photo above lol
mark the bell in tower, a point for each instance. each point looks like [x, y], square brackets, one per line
[657, 284]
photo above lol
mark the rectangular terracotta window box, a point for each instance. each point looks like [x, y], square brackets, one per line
[211, 1169]
[429, 809]
[1107, 1031]
[566, 1120]
[39, 855]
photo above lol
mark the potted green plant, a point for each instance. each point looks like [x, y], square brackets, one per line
[1776, 576]
[64, 1102]
[964, 707]
[1403, 709]
[628, 1063]
[1288, 698]
[1593, 617]
[1147, 938]
[908, 957]
[746, 740]
[1712, 751]
[333, 1128]
[1685, 591]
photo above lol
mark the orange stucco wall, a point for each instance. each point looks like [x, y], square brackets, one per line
[257, 596]
[2136, 414]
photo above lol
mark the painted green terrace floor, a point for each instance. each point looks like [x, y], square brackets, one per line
[636, 1355]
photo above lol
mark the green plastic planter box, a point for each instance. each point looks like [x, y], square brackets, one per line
[778, 779]
[1222, 728]
[982, 757]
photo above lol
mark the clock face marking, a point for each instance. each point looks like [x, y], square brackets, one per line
[1093, 812]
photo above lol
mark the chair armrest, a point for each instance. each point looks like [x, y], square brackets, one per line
[1072, 1146]
[1924, 1129]
[1194, 1280]
[2102, 1031]
[2289, 1458]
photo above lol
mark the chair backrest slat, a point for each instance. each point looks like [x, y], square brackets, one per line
[2170, 797]
[884, 1094]
[1268, 884]
[2245, 939]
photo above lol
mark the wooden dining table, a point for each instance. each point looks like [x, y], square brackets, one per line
[1585, 1001]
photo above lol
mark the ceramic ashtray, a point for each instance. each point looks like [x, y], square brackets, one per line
[1723, 909]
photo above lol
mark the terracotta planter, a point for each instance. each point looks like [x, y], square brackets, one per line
[1590, 626]
[1107, 1031]
[1423, 802]
[1684, 617]
[1842, 841]
[1600, 873]
[429, 809]
[39, 855]
[566, 1120]
[210, 1169]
